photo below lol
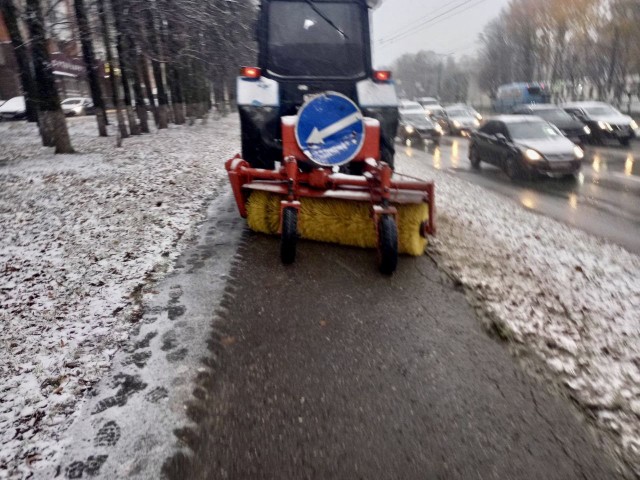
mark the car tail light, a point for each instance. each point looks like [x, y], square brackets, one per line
[382, 75]
[251, 72]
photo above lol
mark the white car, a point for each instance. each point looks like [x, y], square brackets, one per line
[77, 106]
[13, 109]
[407, 106]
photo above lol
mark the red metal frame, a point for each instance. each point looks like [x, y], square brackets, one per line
[376, 185]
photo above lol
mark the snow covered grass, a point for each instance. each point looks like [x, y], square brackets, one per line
[569, 299]
[79, 234]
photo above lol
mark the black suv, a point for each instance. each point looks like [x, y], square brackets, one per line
[605, 122]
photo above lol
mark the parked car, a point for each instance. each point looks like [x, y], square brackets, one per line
[461, 121]
[416, 127]
[77, 107]
[513, 95]
[13, 109]
[605, 122]
[524, 146]
[572, 128]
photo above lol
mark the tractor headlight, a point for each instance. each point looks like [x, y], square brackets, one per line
[532, 155]
[579, 153]
[409, 129]
[604, 125]
[587, 130]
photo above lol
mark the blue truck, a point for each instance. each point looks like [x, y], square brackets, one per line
[513, 95]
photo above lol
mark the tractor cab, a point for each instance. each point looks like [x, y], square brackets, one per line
[305, 48]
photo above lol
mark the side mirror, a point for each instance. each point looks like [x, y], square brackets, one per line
[501, 138]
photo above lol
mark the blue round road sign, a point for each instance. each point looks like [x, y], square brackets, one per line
[330, 129]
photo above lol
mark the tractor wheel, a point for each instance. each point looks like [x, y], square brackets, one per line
[387, 245]
[289, 237]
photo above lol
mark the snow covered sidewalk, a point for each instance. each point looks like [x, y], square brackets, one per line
[569, 299]
[79, 235]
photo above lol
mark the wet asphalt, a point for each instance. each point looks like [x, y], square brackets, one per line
[603, 201]
[327, 370]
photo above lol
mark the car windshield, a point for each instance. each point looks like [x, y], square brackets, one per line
[71, 101]
[533, 131]
[417, 119]
[321, 39]
[553, 114]
[602, 111]
[459, 112]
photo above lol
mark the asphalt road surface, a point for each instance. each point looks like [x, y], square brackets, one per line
[604, 201]
[327, 370]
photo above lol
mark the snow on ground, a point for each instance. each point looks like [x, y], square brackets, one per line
[568, 298]
[79, 234]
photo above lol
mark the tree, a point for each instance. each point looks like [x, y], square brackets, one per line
[53, 125]
[91, 66]
[9, 12]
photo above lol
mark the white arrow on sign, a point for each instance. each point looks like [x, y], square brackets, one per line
[318, 136]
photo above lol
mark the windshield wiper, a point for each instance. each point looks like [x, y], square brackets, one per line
[326, 19]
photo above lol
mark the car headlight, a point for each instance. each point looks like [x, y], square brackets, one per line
[438, 128]
[477, 123]
[604, 125]
[634, 124]
[579, 153]
[587, 130]
[479, 117]
[409, 129]
[532, 155]
[456, 124]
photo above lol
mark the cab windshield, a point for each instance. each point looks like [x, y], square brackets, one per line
[316, 39]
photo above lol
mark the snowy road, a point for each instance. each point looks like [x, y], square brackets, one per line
[605, 202]
[321, 370]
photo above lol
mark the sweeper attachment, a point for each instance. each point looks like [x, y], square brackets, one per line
[307, 196]
[318, 126]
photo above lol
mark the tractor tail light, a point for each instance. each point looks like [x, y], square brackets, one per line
[382, 75]
[251, 72]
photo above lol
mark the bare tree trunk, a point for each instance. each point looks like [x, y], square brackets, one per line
[163, 114]
[117, 103]
[90, 64]
[141, 108]
[8, 10]
[125, 67]
[53, 125]
[147, 86]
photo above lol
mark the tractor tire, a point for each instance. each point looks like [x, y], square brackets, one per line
[387, 245]
[289, 238]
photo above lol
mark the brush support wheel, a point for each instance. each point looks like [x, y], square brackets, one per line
[289, 238]
[387, 245]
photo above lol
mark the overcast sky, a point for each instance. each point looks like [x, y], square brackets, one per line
[436, 25]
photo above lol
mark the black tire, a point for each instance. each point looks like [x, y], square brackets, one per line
[474, 158]
[289, 238]
[514, 170]
[387, 245]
